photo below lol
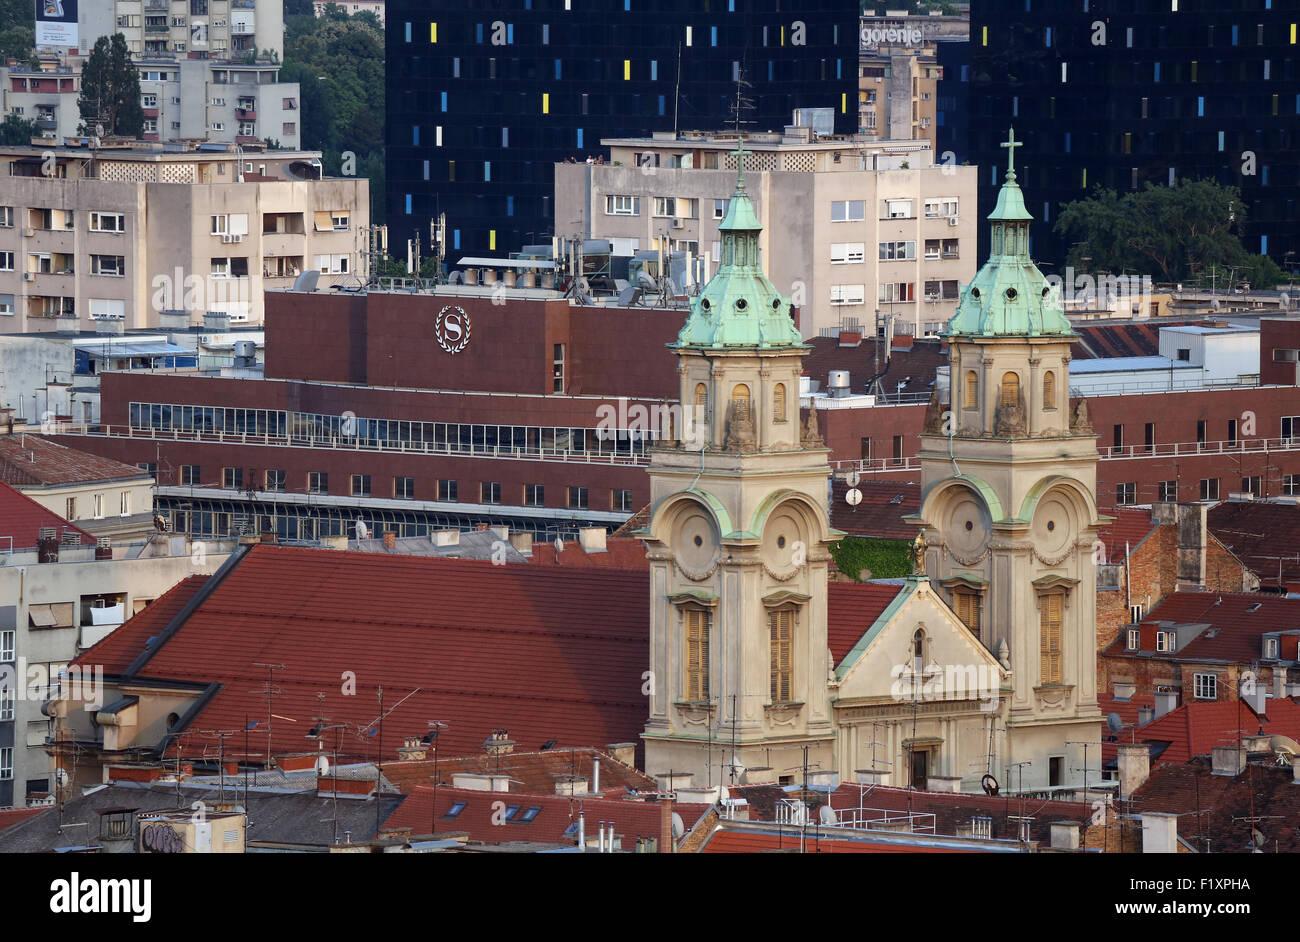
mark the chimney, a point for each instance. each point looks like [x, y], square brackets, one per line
[1256, 697]
[570, 785]
[1145, 715]
[595, 775]
[47, 545]
[592, 539]
[666, 843]
[1065, 835]
[411, 749]
[216, 321]
[1279, 681]
[174, 320]
[111, 326]
[1159, 833]
[1191, 544]
[1256, 743]
[390, 540]
[1227, 760]
[1134, 767]
[523, 542]
[1166, 702]
[499, 743]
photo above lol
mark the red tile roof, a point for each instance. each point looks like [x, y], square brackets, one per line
[1263, 535]
[1140, 339]
[1131, 526]
[479, 818]
[535, 773]
[917, 364]
[1128, 714]
[1194, 729]
[852, 608]
[12, 816]
[814, 841]
[31, 460]
[21, 519]
[1237, 622]
[546, 652]
[880, 512]
[620, 553]
[149, 622]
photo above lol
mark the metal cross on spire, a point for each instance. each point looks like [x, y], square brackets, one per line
[1011, 144]
[739, 153]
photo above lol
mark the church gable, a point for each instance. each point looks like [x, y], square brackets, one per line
[954, 664]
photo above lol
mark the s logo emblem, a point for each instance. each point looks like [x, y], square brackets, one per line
[452, 329]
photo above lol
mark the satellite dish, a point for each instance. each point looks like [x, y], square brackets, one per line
[61, 777]
[1284, 301]
[1214, 305]
[852, 478]
[679, 829]
[559, 545]
[989, 784]
[362, 532]
[853, 496]
[322, 765]
[1115, 722]
[826, 815]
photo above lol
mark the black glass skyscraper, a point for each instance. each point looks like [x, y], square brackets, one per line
[484, 97]
[1122, 92]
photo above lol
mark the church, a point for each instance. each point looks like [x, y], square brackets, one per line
[978, 672]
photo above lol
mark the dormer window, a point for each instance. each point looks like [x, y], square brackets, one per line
[1134, 639]
[1271, 646]
[1165, 641]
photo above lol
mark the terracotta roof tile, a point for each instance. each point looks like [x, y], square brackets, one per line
[1237, 623]
[32, 460]
[21, 519]
[620, 553]
[1131, 526]
[1194, 729]
[1263, 535]
[852, 608]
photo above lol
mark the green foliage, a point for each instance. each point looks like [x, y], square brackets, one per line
[389, 267]
[17, 30]
[1173, 233]
[110, 90]
[862, 558]
[338, 63]
[16, 130]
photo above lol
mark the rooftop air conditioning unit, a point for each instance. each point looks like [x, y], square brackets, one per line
[29, 276]
[29, 232]
[677, 224]
[953, 220]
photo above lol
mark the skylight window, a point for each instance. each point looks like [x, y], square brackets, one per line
[455, 810]
[529, 814]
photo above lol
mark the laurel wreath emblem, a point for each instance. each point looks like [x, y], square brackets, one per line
[438, 331]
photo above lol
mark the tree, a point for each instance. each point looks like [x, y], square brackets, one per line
[1174, 233]
[16, 130]
[110, 90]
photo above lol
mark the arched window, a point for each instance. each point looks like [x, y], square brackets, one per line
[781, 673]
[1010, 389]
[972, 389]
[697, 653]
[778, 403]
[1049, 390]
[701, 402]
[918, 651]
[740, 399]
[1049, 638]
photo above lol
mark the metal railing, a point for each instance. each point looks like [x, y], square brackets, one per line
[1241, 446]
[878, 465]
[350, 443]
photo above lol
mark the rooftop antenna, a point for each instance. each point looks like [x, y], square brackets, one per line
[677, 89]
[271, 691]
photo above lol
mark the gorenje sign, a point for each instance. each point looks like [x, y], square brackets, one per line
[889, 34]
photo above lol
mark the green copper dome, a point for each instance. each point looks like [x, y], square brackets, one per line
[1009, 297]
[740, 307]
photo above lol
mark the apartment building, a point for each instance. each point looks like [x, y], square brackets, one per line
[203, 29]
[61, 591]
[352, 7]
[899, 72]
[227, 102]
[46, 95]
[128, 232]
[857, 232]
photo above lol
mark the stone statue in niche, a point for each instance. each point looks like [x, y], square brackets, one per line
[740, 427]
[934, 415]
[1079, 421]
[812, 438]
[1011, 418]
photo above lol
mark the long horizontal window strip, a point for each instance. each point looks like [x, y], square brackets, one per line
[307, 429]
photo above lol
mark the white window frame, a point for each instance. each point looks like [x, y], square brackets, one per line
[1204, 684]
[220, 224]
[943, 207]
[1272, 646]
[617, 204]
[848, 294]
[8, 645]
[848, 210]
[1134, 640]
[898, 208]
[664, 207]
[848, 253]
[1166, 641]
[97, 266]
[6, 763]
[117, 222]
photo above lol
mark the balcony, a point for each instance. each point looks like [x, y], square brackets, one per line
[156, 28]
[247, 139]
[246, 114]
[155, 6]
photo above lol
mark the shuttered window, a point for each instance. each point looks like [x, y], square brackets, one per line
[697, 655]
[1050, 638]
[1049, 390]
[972, 390]
[1010, 389]
[781, 625]
[778, 403]
[968, 609]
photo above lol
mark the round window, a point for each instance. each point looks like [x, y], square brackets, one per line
[741, 304]
[1012, 294]
[699, 540]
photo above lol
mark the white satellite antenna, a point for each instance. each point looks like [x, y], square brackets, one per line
[679, 828]
[852, 479]
[362, 531]
[322, 765]
[826, 815]
[853, 496]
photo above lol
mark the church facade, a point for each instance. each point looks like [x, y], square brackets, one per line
[980, 664]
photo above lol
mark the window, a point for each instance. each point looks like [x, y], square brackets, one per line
[664, 206]
[124, 504]
[898, 209]
[778, 403]
[1271, 648]
[897, 291]
[1291, 484]
[966, 603]
[1055, 767]
[275, 479]
[848, 211]
[780, 628]
[846, 253]
[1209, 488]
[190, 474]
[1200, 431]
[1165, 641]
[1010, 389]
[232, 479]
[897, 251]
[112, 265]
[1290, 427]
[1232, 433]
[1049, 390]
[971, 390]
[577, 498]
[1167, 490]
[456, 808]
[6, 763]
[557, 384]
[621, 500]
[360, 485]
[8, 639]
[701, 401]
[6, 261]
[1126, 493]
[447, 489]
[697, 654]
[318, 482]
[848, 294]
[939, 208]
[534, 495]
[6, 705]
[1134, 640]
[107, 222]
[1117, 437]
[1049, 638]
[622, 206]
[7, 215]
[1149, 436]
[98, 501]
[403, 488]
[490, 492]
[1251, 485]
[1207, 686]
[720, 208]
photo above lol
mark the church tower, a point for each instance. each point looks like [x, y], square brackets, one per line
[1009, 506]
[738, 538]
